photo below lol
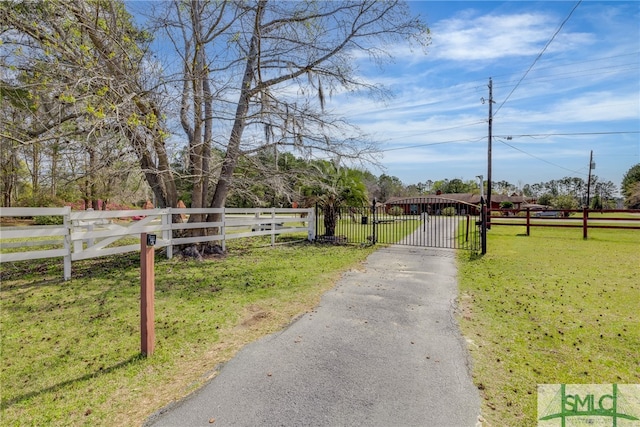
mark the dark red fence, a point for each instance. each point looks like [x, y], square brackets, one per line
[571, 218]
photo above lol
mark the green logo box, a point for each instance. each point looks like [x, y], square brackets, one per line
[573, 405]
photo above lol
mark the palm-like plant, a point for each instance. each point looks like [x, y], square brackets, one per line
[334, 187]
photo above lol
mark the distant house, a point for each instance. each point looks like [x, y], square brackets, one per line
[518, 201]
[463, 203]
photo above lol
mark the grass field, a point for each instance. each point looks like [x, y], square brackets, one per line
[356, 232]
[550, 308]
[70, 350]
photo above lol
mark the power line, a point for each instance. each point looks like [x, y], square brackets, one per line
[435, 131]
[539, 55]
[539, 158]
[468, 91]
[600, 71]
[544, 135]
[530, 135]
[481, 81]
[432, 143]
[566, 64]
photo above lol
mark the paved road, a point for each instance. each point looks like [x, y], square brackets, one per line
[382, 349]
[436, 232]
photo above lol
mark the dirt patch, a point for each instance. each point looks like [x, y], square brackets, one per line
[254, 316]
[15, 222]
[465, 306]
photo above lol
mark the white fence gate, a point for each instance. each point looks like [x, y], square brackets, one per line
[92, 234]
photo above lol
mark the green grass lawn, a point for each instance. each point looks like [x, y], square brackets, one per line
[550, 308]
[70, 350]
[356, 232]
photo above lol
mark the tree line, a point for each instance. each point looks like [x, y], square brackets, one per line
[231, 111]
[55, 175]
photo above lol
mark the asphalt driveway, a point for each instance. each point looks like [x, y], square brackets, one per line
[383, 348]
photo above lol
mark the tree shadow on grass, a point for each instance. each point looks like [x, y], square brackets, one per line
[50, 271]
[52, 389]
[475, 256]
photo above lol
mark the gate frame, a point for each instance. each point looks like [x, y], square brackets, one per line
[423, 208]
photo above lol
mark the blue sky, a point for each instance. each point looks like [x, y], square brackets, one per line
[552, 105]
[581, 93]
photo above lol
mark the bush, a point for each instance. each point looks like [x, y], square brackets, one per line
[40, 201]
[506, 205]
[545, 199]
[565, 203]
[48, 220]
[450, 211]
[396, 211]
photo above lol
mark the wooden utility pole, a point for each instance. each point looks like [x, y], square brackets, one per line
[591, 166]
[489, 153]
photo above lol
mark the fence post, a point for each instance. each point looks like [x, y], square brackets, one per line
[316, 218]
[311, 236]
[147, 294]
[167, 234]
[66, 220]
[585, 222]
[528, 220]
[78, 245]
[223, 229]
[273, 226]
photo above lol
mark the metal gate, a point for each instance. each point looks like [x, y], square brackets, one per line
[432, 221]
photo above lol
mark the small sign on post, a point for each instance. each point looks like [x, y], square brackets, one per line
[147, 294]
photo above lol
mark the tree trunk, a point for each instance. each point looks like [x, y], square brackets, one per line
[233, 148]
[55, 156]
[91, 177]
[35, 170]
[329, 219]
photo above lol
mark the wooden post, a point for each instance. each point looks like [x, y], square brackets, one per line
[147, 294]
[585, 223]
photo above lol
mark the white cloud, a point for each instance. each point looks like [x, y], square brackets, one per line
[491, 37]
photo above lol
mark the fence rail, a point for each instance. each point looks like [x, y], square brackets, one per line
[92, 234]
[586, 218]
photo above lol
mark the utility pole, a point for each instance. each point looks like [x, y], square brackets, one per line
[591, 166]
[489, 154]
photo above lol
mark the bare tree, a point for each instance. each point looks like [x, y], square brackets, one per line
[308, 46]
[261, 72]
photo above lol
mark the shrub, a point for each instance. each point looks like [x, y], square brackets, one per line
[396, 211]
[450, 211]
[565, 203]
[40, 201]
[506, 205]
[47, 220]
[545, 199]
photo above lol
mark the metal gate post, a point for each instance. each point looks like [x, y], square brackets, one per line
[374, 221]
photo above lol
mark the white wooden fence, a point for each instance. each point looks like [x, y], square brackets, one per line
[92, 234]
